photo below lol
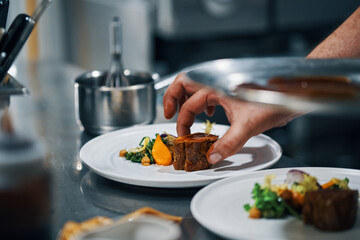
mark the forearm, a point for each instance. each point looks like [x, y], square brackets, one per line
[344, 42]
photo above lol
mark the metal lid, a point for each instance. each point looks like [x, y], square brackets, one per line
[323, 86]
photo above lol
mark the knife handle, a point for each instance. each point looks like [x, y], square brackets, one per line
[14, 39]
[4, 8]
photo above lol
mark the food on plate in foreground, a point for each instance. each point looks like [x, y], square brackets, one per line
[187, 153]
[190, 151]
[330, 209]
[151, 151]
[141, 154]
[331, 206]
[72, 230]
[161, 153]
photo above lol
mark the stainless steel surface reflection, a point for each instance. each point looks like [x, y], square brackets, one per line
[101, 109]
[248, 79]
[124, 198]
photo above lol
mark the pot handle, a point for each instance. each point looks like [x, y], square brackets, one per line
[162, 83]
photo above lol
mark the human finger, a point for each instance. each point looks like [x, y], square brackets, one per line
[232, 141]
[210, 111]
[195, 105]
[180, 89]
[247, 120]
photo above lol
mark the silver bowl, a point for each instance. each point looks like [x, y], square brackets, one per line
[101, 109]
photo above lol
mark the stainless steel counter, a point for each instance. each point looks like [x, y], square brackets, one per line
[79, 194]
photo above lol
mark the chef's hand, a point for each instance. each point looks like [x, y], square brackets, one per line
[246, 119]
[249, 119]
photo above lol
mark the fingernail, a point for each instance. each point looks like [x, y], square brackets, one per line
[168, 110]
[214, 158]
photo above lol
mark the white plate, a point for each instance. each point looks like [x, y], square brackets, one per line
[219, 208]
[101, 155]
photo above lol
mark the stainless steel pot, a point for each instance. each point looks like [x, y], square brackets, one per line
[101, 109]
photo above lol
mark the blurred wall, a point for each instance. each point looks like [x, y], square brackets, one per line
[88, 32]
[167, 35]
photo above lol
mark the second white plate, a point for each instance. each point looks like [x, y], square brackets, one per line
[101, 155]
[219, 208]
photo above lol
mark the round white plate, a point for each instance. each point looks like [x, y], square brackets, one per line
[219, 208]
[101, 155]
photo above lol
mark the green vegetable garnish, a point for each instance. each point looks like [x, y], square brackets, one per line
[145, 147]
[340, 184]
[269, 203]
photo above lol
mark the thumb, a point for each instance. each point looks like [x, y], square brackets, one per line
[233, 140]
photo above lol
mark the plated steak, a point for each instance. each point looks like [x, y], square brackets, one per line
[190, 151]
[330, 209]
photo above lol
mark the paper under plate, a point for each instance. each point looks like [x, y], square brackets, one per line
[101, 155]
[219, 208]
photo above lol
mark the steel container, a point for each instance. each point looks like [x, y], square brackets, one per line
[101, 109]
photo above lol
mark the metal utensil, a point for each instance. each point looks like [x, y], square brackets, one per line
[39, 10]
[248, 79]
[14, 39]
[9, 88]
[4, 8]
[116, 77]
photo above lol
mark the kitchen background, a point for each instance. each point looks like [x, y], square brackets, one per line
[166, 36]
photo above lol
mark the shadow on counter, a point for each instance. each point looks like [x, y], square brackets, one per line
[125, 198]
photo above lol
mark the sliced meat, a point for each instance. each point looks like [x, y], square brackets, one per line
[179, 155]
[330, 209]
[190, 151]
